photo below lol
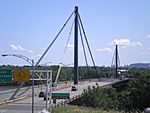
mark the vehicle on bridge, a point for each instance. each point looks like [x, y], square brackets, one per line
[54, 84]
[41, 94]
[74, 88]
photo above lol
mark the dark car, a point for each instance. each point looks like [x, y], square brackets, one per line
[54, 84]
[74, 88]
[41, 94]
[45, 97]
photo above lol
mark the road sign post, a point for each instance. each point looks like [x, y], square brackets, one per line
[5, 75]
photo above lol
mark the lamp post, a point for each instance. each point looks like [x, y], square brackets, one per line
[30, 62]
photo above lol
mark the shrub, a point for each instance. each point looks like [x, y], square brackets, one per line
[135, 96]
[104, 98]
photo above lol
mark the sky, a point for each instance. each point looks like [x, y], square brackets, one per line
[27, 27]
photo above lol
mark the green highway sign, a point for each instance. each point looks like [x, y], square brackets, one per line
[5, 75]
[60, 95]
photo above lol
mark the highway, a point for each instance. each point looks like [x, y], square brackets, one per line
[5, 95]
[24, 106]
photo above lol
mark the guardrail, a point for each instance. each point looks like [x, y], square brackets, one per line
[66, 101]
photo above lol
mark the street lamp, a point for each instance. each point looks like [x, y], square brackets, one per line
[19, 56]
[30, 62]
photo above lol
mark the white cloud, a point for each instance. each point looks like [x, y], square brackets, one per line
[106, 50]
[71, 46]
[30, 51]
[19, 48]
[1, 50]
[16, 47]
[125, 42]
[39, 55]
[148, 36]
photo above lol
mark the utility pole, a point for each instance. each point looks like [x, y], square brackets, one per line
[76, 71]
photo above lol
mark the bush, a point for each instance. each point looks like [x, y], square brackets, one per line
[104, 98]
[134, 97]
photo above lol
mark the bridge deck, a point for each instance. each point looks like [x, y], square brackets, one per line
[24, 106]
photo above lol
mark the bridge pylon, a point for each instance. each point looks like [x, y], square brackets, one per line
[76, 70]
[115, 61]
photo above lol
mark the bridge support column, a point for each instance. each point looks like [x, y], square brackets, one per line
[116, 61]
[76, 47]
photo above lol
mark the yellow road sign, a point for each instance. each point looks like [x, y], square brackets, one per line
[21, 75]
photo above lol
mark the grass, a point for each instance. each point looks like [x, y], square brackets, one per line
[76, 109]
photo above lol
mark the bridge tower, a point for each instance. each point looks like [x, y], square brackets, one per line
[76, 71]
[116, 61]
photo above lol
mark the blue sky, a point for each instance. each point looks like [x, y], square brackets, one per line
[27, 27]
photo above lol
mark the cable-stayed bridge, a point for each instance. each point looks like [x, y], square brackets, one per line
[23, 103]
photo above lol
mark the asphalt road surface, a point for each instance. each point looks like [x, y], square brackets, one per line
[25, 106]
